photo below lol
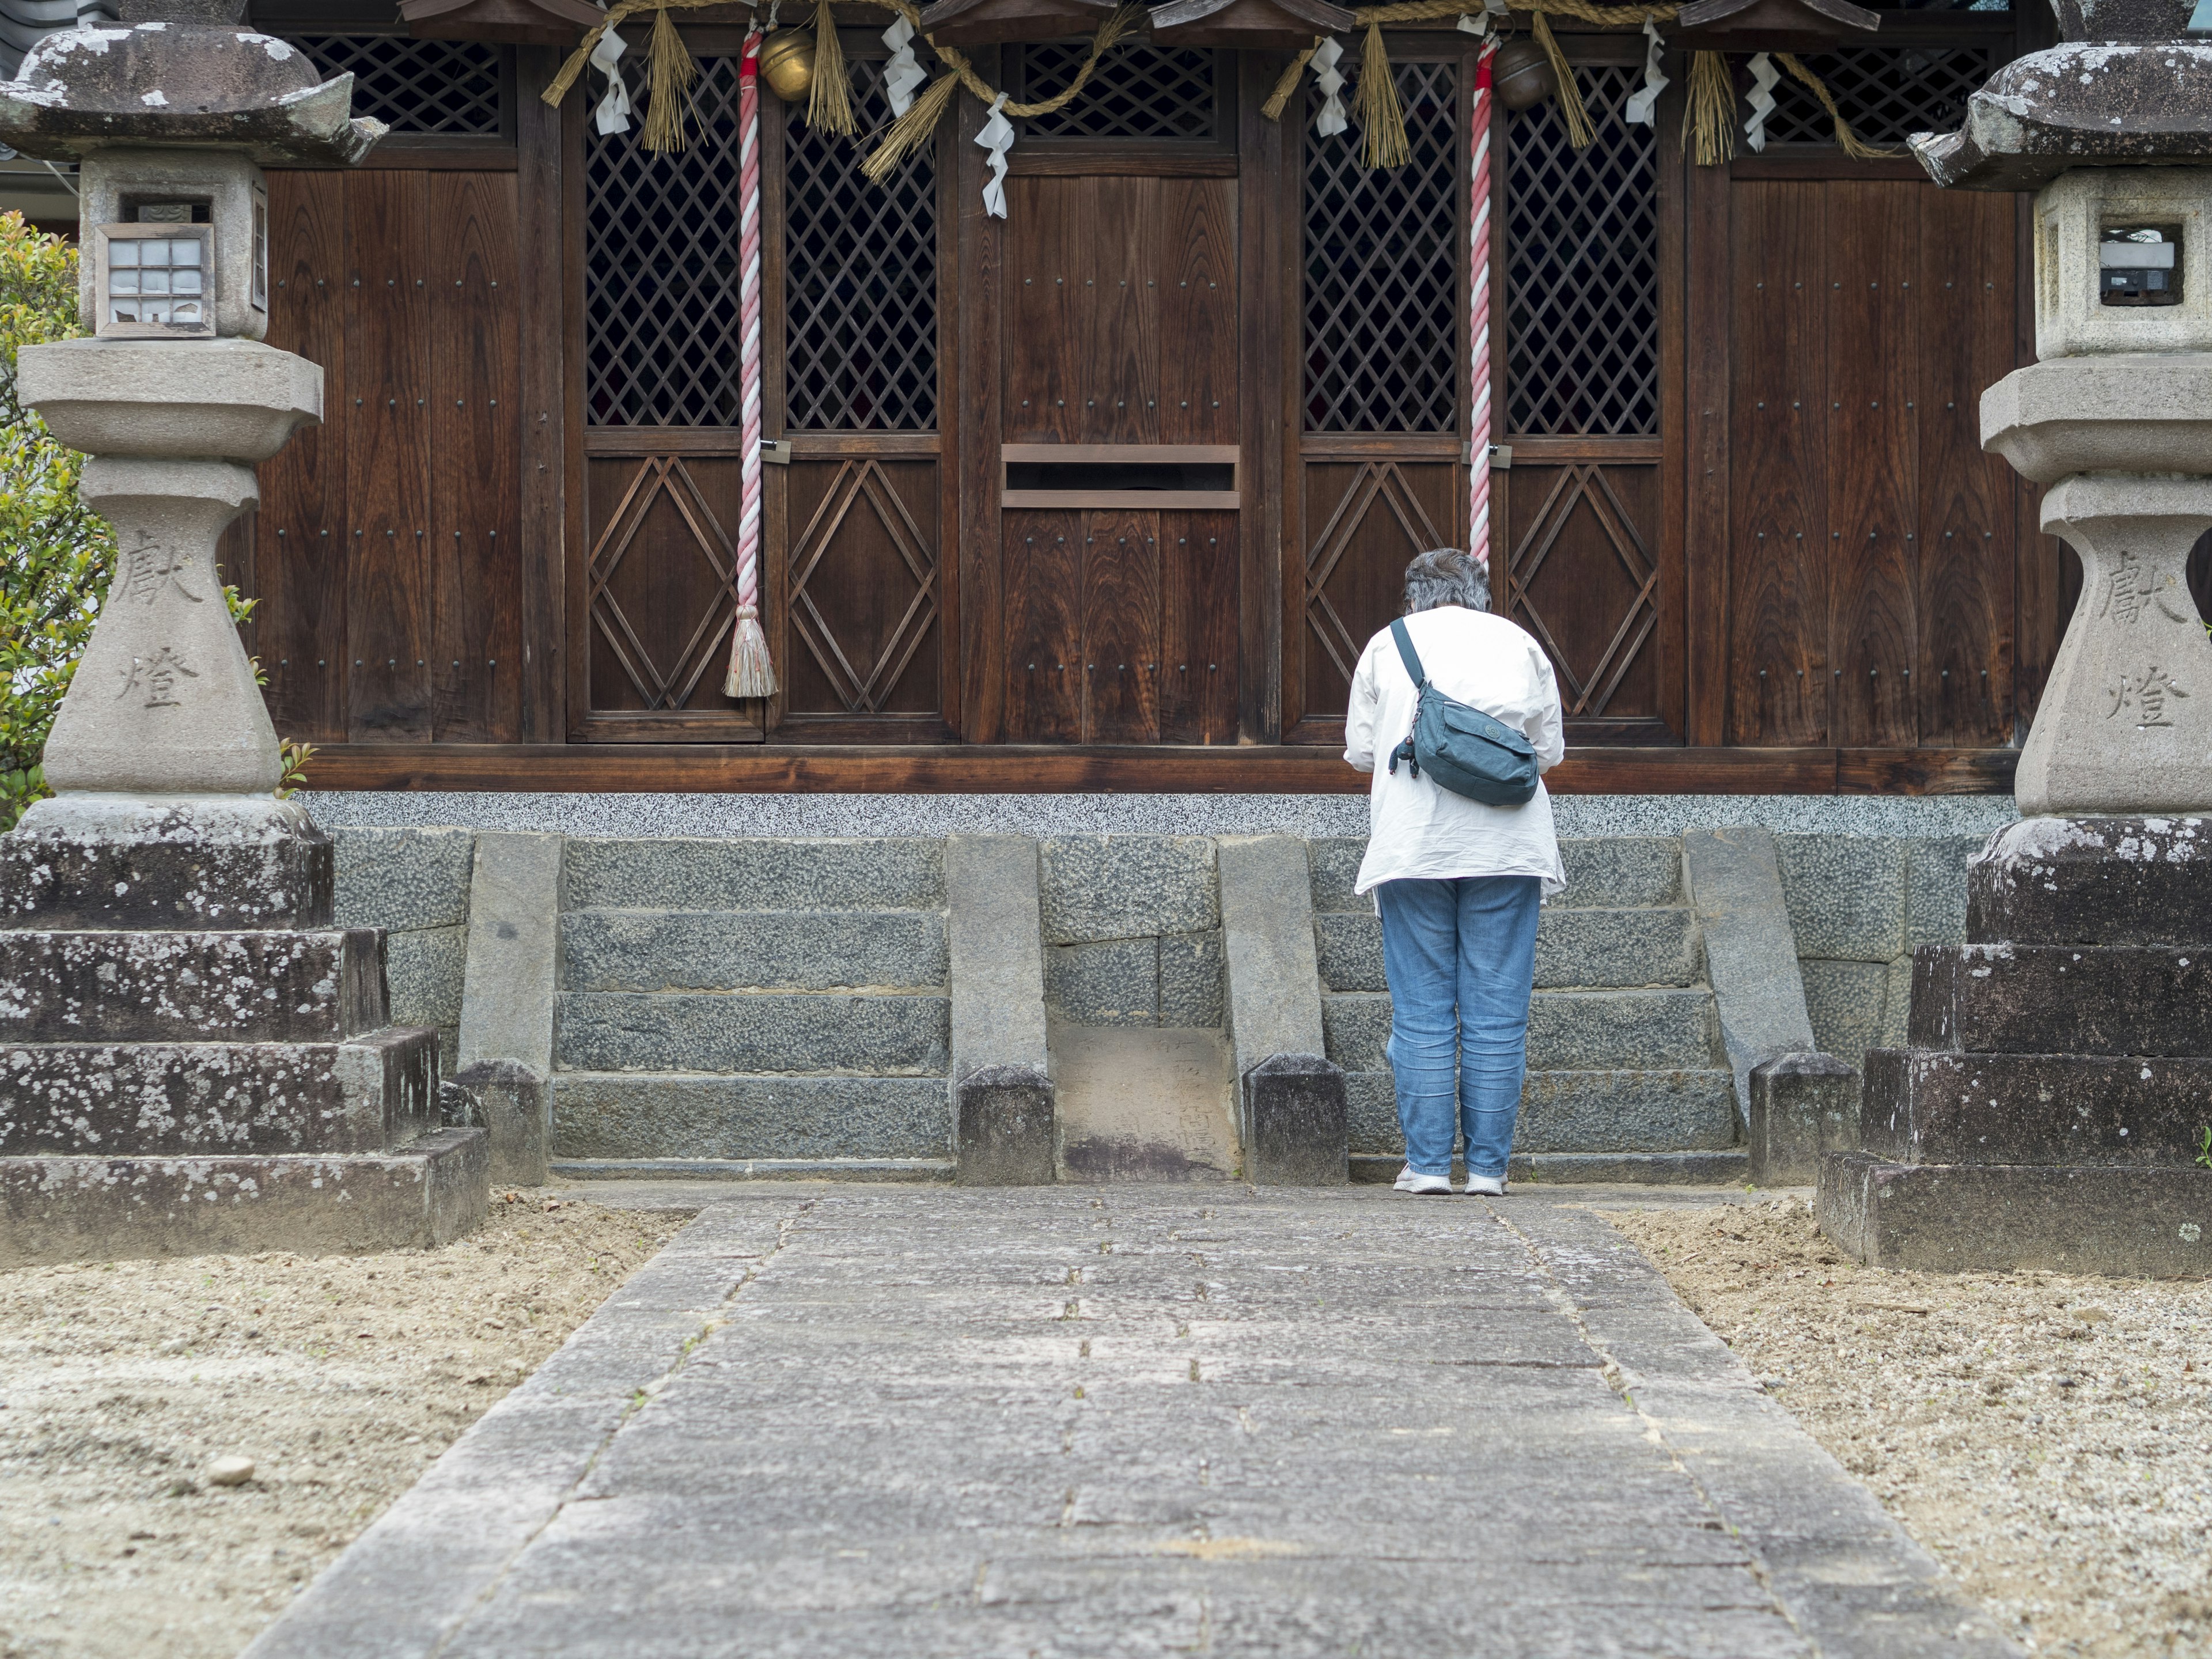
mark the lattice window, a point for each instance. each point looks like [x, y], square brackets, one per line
[1138, 91]
[661, 322]
[1383, 328]
[859, 281]
[1886, 93]
[1582, 336]
[447, 87]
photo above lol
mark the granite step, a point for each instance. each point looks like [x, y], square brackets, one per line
[1664, 1031]
[1715, 1169]
[2061, 998]
[1590, 948]
[427, 1192]
[273, 987]
[1603, 871]
[754, 1169]
[58, 881]
[752, 949]
[1924, 1106]
[599, 1116]
[190, 1099]
[746, 1033]
[1569, 1111]
[753, 874]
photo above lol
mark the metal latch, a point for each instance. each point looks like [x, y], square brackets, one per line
[774, 453]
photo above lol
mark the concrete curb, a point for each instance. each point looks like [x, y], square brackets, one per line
[1004, 1128]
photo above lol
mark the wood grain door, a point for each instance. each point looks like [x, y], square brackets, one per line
[1120, 338]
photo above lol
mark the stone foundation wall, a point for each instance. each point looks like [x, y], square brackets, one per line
[414, 883]
[1132, 930]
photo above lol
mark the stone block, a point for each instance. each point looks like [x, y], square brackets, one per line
[2094, 881]
[1110, 887]
[1348, 951]
[1111, 983]
[193, 1099]
[1594, 948]
[1612, 872]
[1332, 868]
[508, 1102]
[752, 949]
[887, 872]
[1194, 980]
[1848, 1003]
[1931, 1107]
[176, 865]
[425, 975]
[1936, 888]
[647, 1115]
[1732, 878]
[403, 879]
[306, 986]
[2006, 1217]
[1568, 1030]
[428, 1192]
[1802, 1108]
[747, 1033]
[995, 954]
[1846, 894]
[1267, 933]
[1294, 1119]
[514, 949]
[1626, 1111]
[1003, 1134]
[1370, 1114]
[2056, 999]
[1707, 1169]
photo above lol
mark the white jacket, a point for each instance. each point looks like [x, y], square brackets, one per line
[1417, 829]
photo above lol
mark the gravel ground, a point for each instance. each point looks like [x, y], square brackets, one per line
[341, 1378]
[2049, 1438]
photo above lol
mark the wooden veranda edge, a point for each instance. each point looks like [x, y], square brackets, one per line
[631, 768]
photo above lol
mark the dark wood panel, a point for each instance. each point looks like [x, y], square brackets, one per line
[388, 596]
[1265, 224]
[863, 589]
[1367, 520]
[981, 284]
[1044, 311]
[1120, 623]
[300, 554]
[1708, 355]
[1044, 628]
[1964, 315]
[1873, 239]
[1115, 342]
[1777, 670]
[1200, 673]
[1196, 270]
[1925, 771]
[1059, 769]
[1584, 579]
[539, 238]
[475, 451]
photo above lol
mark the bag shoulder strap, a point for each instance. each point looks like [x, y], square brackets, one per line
[1406, 654]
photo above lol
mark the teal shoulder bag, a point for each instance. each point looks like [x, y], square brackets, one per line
[1460, 747]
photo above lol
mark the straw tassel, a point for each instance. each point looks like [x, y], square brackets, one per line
[1287, 82]
[911, 130]
[1581, 135]
[751, 675]
[1375, 106]
[669, 72]
[1711, 123]
[830, 109]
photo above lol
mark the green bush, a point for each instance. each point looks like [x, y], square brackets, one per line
[56, 555]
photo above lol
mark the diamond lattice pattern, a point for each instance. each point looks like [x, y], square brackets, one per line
[860, 281]
[1383, 323]
[450, 86]
[1138, 91]
[1887, 92]
[661, 322]
[1582, 276]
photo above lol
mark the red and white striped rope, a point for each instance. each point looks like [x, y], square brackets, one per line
[1477, 265]
[749, 673]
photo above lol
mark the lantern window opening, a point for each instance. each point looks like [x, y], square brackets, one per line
[157, 280]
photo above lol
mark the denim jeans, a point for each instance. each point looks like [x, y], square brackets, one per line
[1460, 956]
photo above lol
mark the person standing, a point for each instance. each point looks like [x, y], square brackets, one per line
[1456, 883]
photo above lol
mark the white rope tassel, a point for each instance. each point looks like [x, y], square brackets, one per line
[1330, 121]
[997, 137]
[1641, 107]
[1764, 75]
[612, 115]
[904, 74]
[1479, 22]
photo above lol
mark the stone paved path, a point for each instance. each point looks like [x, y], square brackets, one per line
[902, 1424]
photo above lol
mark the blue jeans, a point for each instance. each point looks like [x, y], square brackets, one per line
[1460, 956]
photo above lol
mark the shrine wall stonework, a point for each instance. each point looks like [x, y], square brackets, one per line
[414, 883]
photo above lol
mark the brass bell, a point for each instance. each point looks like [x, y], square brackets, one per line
[1520, 75]
[786, 63]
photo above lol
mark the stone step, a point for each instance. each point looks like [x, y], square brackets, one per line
[56, 881]
[753, 873]
[1603, 871]
[2094, 881]
[603, 1115]
[427, 1192]
[752, 949]
[754, 1169]
[1575, 1168]
[2061, 998]
[1568, 1030]
[1590, 948]
[743, 1033]
[187, 1099]
[1654, 1111]
[1924, 1106]
[101, 987]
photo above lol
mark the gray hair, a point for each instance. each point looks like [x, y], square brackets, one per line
[1445, 575]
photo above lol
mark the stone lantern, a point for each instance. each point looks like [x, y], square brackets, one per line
[2051, 1110]
[191, 1057]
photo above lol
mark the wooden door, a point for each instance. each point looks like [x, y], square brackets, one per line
[1119, 460]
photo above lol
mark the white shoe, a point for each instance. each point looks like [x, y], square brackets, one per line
[1486, 1186]
[1423, 1185]
[1406, 1178]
